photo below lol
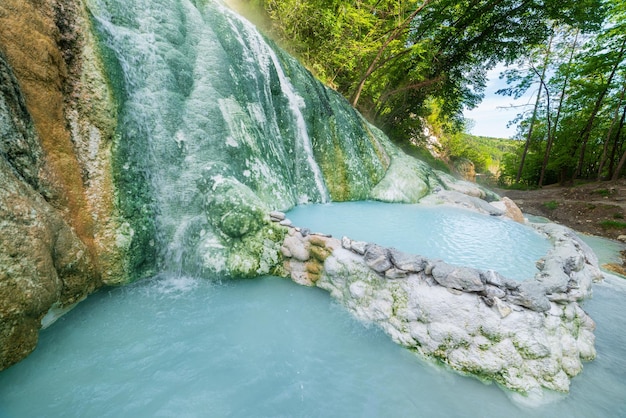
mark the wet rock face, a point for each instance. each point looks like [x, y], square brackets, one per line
[42, 261]
[42, 264]
[46, 229]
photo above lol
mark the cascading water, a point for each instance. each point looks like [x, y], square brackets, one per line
[205, 105]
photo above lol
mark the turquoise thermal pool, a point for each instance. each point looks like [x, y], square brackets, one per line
[454, 235]
[177, 347]
[180, 346]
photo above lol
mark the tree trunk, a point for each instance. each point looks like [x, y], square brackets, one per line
[614, 149]
[622, 160]
[586, 132]
[534, 117]
[374, 64]
[546, 155]
[608, 135]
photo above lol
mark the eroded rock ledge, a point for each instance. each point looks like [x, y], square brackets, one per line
[524, 335]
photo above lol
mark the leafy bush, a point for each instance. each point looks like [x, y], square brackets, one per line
[610, 224]
[551, 205]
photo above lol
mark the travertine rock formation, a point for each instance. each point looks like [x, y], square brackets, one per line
[524, 335]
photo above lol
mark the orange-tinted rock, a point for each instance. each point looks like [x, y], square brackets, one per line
[59, 230]
[29, 38]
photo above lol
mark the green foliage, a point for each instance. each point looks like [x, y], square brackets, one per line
[486, 153]
[611, 224]
[576, 130]
[389, 58]
[551, 205]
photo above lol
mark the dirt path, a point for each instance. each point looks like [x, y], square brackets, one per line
[597, 208]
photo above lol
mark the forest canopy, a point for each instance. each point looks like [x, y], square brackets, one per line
[398, 61]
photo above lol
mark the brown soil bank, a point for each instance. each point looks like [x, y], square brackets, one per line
[597, 208]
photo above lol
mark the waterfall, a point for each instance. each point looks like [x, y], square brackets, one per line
[206, 102]
[256, 53]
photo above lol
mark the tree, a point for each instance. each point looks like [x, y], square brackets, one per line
[390, 57]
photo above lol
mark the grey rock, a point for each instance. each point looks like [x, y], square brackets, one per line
[429, 265]
[493, 292]
[394, 273]
[574, 263]
[531, 295]
[460, 278]
[377, 258]
[494, 278]
[407, 262]
[294, 247]
[277, 216]
[359, 247]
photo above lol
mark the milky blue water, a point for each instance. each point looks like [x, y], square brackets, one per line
[185, 347]
[454, 235]
[176, 347]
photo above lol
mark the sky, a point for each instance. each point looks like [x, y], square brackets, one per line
[494, 112]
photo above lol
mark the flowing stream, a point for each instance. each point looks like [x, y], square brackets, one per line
[180, 346]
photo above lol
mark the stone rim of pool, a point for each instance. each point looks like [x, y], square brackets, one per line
[524, 335]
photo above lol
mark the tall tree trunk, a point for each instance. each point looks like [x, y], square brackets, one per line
[546, 155]
[622, 160]
[374, 64]
[586, 132]
[537, 102]
[608, 135]
[614, 149]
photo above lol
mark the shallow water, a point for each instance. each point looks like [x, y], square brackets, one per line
[267, 347]
[178, 346]
[454, 235]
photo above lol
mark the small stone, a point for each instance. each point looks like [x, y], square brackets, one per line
[377, 258]
[574, 263]
[296, 248]
[346, 243]
[494, 278]
[407, 262]
[621, 238]
[277, 216]
[305, 231]
[493, 292]
[395, 273]
[531, 295]
[359, 247]
[503, 309]
[460, 278]
[285, 222]
[429, 265]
